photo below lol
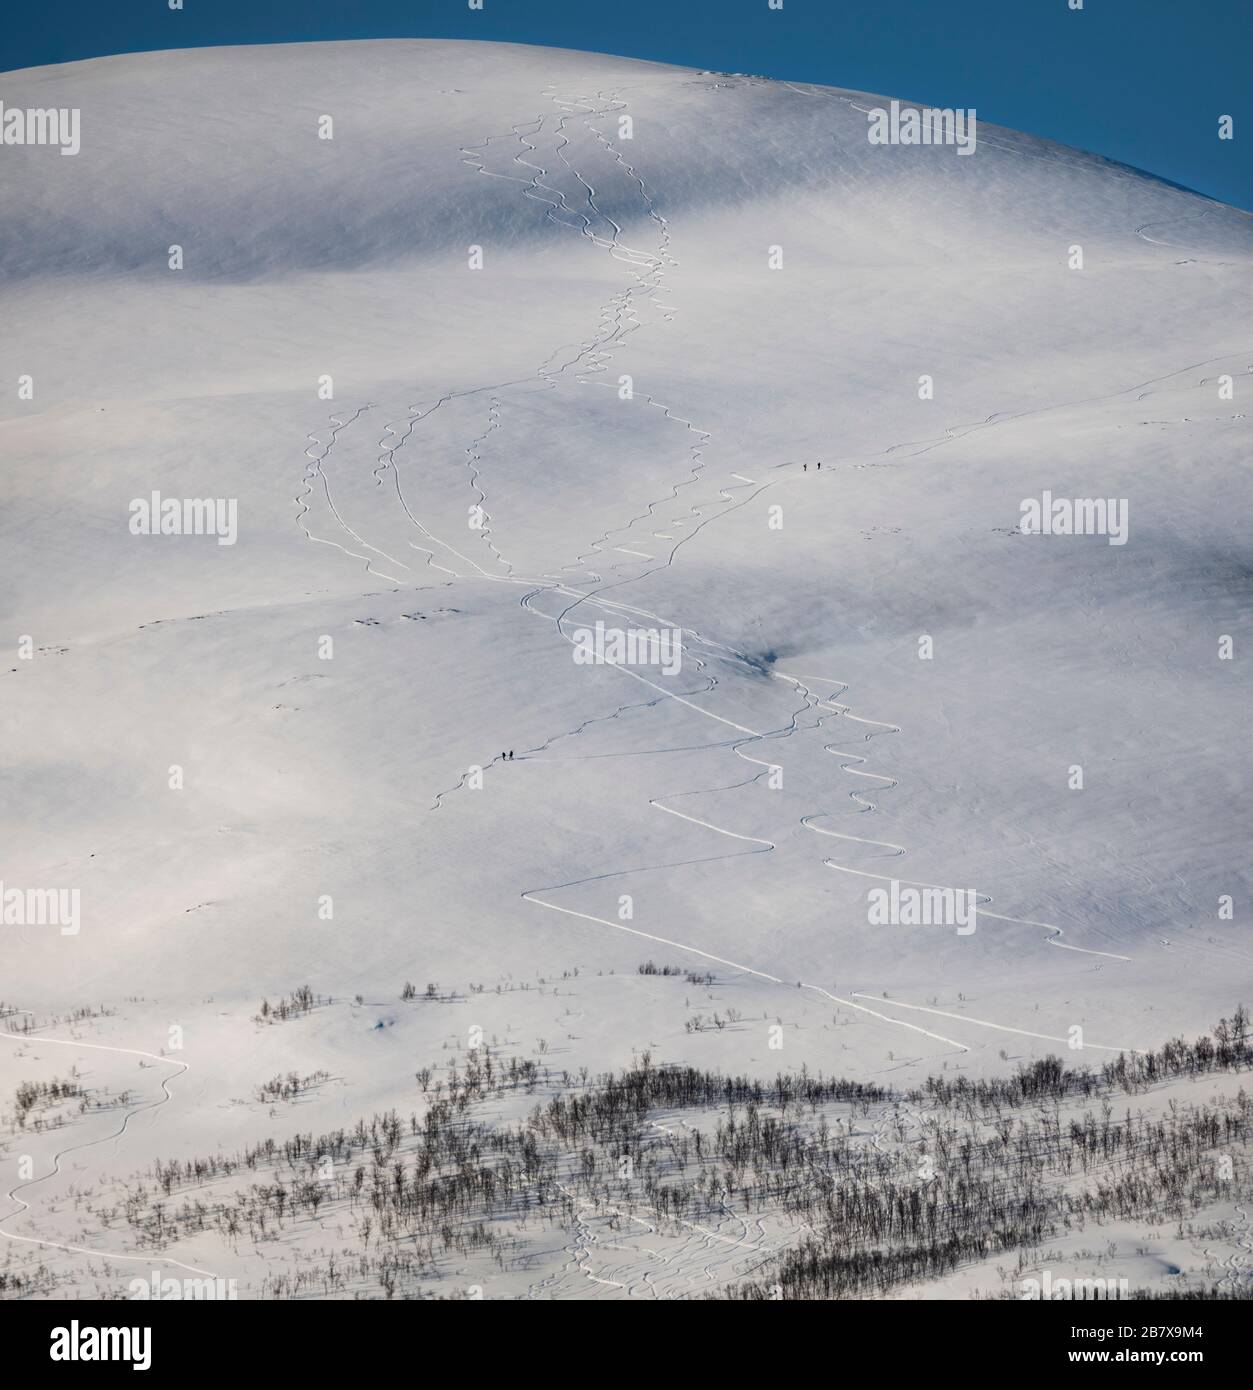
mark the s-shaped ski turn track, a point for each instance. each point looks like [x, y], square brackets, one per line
[24, 1206]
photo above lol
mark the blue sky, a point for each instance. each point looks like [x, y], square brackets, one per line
[1142, 81]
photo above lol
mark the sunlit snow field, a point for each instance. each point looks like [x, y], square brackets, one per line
[618, 416]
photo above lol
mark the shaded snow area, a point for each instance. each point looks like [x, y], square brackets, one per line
[598, 670]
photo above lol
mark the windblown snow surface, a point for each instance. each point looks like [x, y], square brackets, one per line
[617, 418]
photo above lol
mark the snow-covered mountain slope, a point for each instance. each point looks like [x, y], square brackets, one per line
[693, 288]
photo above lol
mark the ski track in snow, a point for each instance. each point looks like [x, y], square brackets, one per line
[618, 318]
[25, 1206]
[1001, 1027]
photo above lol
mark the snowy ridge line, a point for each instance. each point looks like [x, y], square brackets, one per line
[25, 1206]
[1077, 157]
[1074, 157]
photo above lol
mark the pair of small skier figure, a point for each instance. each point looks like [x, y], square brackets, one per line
[805, 467]
[507, 757]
